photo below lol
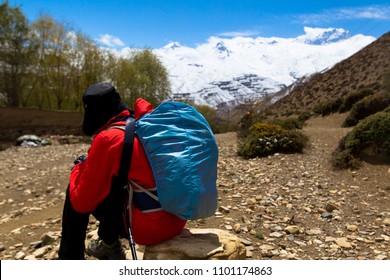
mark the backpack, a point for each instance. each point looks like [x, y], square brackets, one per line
[183, 154]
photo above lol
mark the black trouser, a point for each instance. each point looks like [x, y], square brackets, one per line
[74, 225]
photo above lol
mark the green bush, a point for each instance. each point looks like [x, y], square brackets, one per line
[328, 107]
[303, 117]
[209, 114]
[373, 132]
[343, 158]
[354, 97]
[266, 139]
[386, 80]
[246, 122]
[367, 106]
[289, 123]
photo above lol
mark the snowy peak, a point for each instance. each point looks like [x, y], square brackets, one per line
[243, 89]
[222, 49]
[322, 36]
[172, 46]
[220, 70]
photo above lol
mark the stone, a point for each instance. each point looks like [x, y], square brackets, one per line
[20, 255]
[266, 247]
[326, 215]
[41, 252]
[277, 228]
[198, 244]
[343, 242]
[381, 257]
[276, 234]
[352, 228]
[245, 241]
[224, 209]
[237, 228]
[330, 207]
[249, 252]
[31, 141]
[36, 244]
[314, 231]
[291, 229]
[251, 201]
[48, 238]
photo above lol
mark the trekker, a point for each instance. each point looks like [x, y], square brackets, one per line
[92, 188]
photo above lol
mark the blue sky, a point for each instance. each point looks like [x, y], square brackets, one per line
[153, 24]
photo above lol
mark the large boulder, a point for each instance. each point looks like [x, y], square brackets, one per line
[198, 244]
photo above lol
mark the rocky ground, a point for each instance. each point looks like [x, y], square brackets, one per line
[282, 207]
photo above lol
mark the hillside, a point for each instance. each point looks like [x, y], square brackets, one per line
[364, 69]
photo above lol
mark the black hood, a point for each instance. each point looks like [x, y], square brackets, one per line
[101, 103]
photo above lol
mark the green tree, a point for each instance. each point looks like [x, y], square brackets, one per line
[15, 52]
[43, 28]
[209, 114]
[124, 75]
[151, 79]
[86, 65]
[54, 62]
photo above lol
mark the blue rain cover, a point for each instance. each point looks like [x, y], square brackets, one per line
[183, 154]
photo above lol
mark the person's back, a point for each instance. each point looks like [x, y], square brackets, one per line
[91, 192]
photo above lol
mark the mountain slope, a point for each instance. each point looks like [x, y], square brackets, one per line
[364, 69]
[217, 72]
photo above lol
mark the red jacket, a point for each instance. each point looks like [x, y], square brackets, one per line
[90, 181]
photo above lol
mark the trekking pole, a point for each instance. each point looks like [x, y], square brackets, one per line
[130, 234]
[123, 173]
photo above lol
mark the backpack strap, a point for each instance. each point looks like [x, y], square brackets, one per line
[144, 200]
[127, 151]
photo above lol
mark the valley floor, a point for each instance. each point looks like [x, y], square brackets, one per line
[282, 207]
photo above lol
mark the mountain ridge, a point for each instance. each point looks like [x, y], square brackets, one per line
[364, 69]
[200, 74]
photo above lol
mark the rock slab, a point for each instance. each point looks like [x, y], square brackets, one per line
[198, 244]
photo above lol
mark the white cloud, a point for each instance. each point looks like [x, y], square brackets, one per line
[238, 34]
[111, 41]
[374, 12]
[381, 12]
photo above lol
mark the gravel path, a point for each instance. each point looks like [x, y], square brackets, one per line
[282, 207]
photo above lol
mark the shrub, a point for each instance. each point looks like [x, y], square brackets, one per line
[373, 132]
[303, 117]
[266, 139]
[354, 97]
[386, 80]
[343, 159]
[328, 107]
[367, 106]
[289, 123]
[246, 122]
[209, 114]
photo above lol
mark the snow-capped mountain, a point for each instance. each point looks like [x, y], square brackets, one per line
[230, 71]
[236, 70]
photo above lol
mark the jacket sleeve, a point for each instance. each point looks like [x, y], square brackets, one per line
[90, 181]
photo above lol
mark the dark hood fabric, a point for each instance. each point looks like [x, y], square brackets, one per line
[101, 103]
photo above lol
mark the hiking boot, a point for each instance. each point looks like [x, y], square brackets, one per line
[102, 251]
